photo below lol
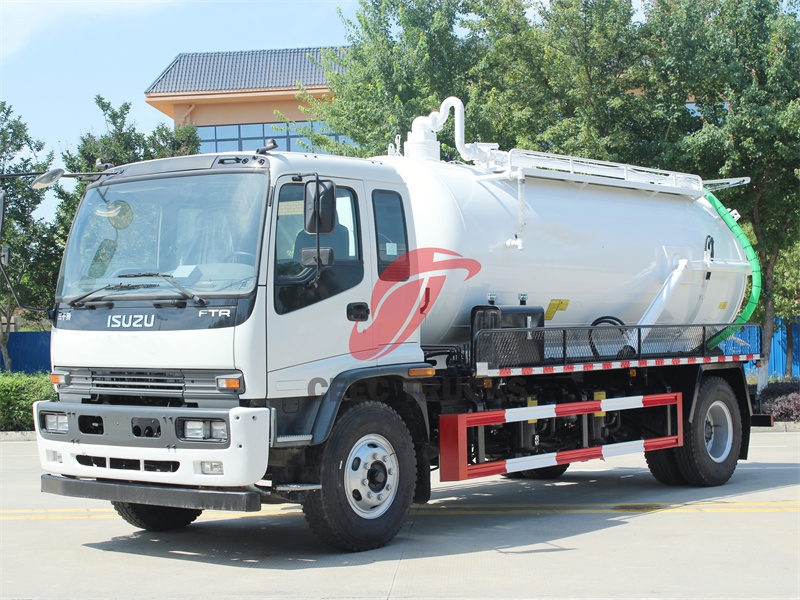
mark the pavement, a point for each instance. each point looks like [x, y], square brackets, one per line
[605, 529]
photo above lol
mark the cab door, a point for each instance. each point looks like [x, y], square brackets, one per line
[398, 303]
[310, 318]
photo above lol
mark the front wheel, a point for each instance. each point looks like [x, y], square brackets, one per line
[368, 476]
[155, 518]
[713, 439]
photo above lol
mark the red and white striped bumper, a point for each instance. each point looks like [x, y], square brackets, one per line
[453, 435]
[482, 369]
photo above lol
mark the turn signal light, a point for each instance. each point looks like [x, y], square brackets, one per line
[59, 378]
[229, 383]
[422, 372]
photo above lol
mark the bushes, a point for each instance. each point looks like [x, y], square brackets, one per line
[782, 400]
[784, 408]
[779, 388]
[18, 392]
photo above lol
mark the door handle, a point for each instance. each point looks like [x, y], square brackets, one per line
[357, 311]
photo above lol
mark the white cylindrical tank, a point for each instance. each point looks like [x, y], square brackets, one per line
[582, 250]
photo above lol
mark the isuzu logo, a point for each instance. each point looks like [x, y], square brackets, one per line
[130, 321]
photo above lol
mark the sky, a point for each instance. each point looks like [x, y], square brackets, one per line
[56, 56]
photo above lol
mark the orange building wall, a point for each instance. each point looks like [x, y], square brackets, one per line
[231, 108]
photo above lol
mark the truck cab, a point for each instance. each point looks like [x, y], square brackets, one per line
[190, 338]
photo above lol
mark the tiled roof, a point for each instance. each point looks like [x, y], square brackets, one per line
[244, 70]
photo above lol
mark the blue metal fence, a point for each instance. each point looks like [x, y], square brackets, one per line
[30, 351]
[777, 355]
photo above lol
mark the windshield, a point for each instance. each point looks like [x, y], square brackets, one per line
[201, 231]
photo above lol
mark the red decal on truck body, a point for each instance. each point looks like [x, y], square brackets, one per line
[404, 295]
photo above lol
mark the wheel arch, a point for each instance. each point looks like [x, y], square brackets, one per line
[394, 387]
[689, 379]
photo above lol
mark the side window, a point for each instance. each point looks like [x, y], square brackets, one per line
[294, 287]
[390, 230]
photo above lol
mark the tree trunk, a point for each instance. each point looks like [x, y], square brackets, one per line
[4, 349]
[768, 327]
[789, 350]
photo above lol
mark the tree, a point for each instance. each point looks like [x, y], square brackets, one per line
[404, 57]
[33, 252]
[121, 144]
[740, 61]
[709, 87]
[787, 297]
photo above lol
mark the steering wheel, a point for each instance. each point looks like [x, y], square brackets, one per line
[235, 257]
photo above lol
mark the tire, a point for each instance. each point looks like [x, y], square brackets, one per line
[664, 466]
[711, 443]
[368, 477]
[155, 518]
[553, 472]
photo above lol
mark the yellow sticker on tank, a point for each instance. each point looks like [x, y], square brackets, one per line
[554, 306]
[723, 305]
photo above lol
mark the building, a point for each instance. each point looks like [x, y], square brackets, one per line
[232, 97]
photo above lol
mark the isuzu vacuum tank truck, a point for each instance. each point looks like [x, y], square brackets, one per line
[260, 327]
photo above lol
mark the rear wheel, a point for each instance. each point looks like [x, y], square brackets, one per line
[368, 477]
[664, 466]
[155, 518]
[713, 439]
[553, 472]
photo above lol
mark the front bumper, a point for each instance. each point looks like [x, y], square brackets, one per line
[110, 455]
[117, 491]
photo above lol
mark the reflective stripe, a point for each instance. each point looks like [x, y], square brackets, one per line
[619, 364]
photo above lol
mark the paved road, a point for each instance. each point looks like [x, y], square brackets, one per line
[604, 529]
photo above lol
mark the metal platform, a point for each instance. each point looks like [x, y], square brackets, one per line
[541, 350]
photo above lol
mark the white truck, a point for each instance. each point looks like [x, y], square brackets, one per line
[244, 328]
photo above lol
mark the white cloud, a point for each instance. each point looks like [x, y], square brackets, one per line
[23, 21]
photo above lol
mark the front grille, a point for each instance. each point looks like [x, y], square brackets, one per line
[127, 382]
[144, 387]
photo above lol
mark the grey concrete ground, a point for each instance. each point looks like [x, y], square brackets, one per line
[603, 530]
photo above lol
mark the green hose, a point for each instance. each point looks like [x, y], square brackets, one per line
[755, 276]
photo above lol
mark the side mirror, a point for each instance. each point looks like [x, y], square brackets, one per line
[47, 179]
[320, 206]
[5, 255]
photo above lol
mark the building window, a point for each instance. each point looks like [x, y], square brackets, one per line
[252, 136]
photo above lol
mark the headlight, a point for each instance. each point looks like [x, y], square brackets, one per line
[203, 429]
[56, 423]
[194, 430]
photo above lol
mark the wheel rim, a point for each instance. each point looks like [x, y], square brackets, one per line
[718, 431]
[370, 476]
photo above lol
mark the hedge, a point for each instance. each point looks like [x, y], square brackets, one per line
[18, 392]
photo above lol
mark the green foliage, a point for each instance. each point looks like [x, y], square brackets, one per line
[744, 75]
[18, 392]
[121, 144]
[585, 78]
[404, 57]
[787, 285]
[34, 253]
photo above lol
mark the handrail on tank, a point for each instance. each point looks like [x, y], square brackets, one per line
[422, 142]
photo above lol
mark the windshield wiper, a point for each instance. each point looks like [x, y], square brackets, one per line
[113, 287]
[188, 294]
